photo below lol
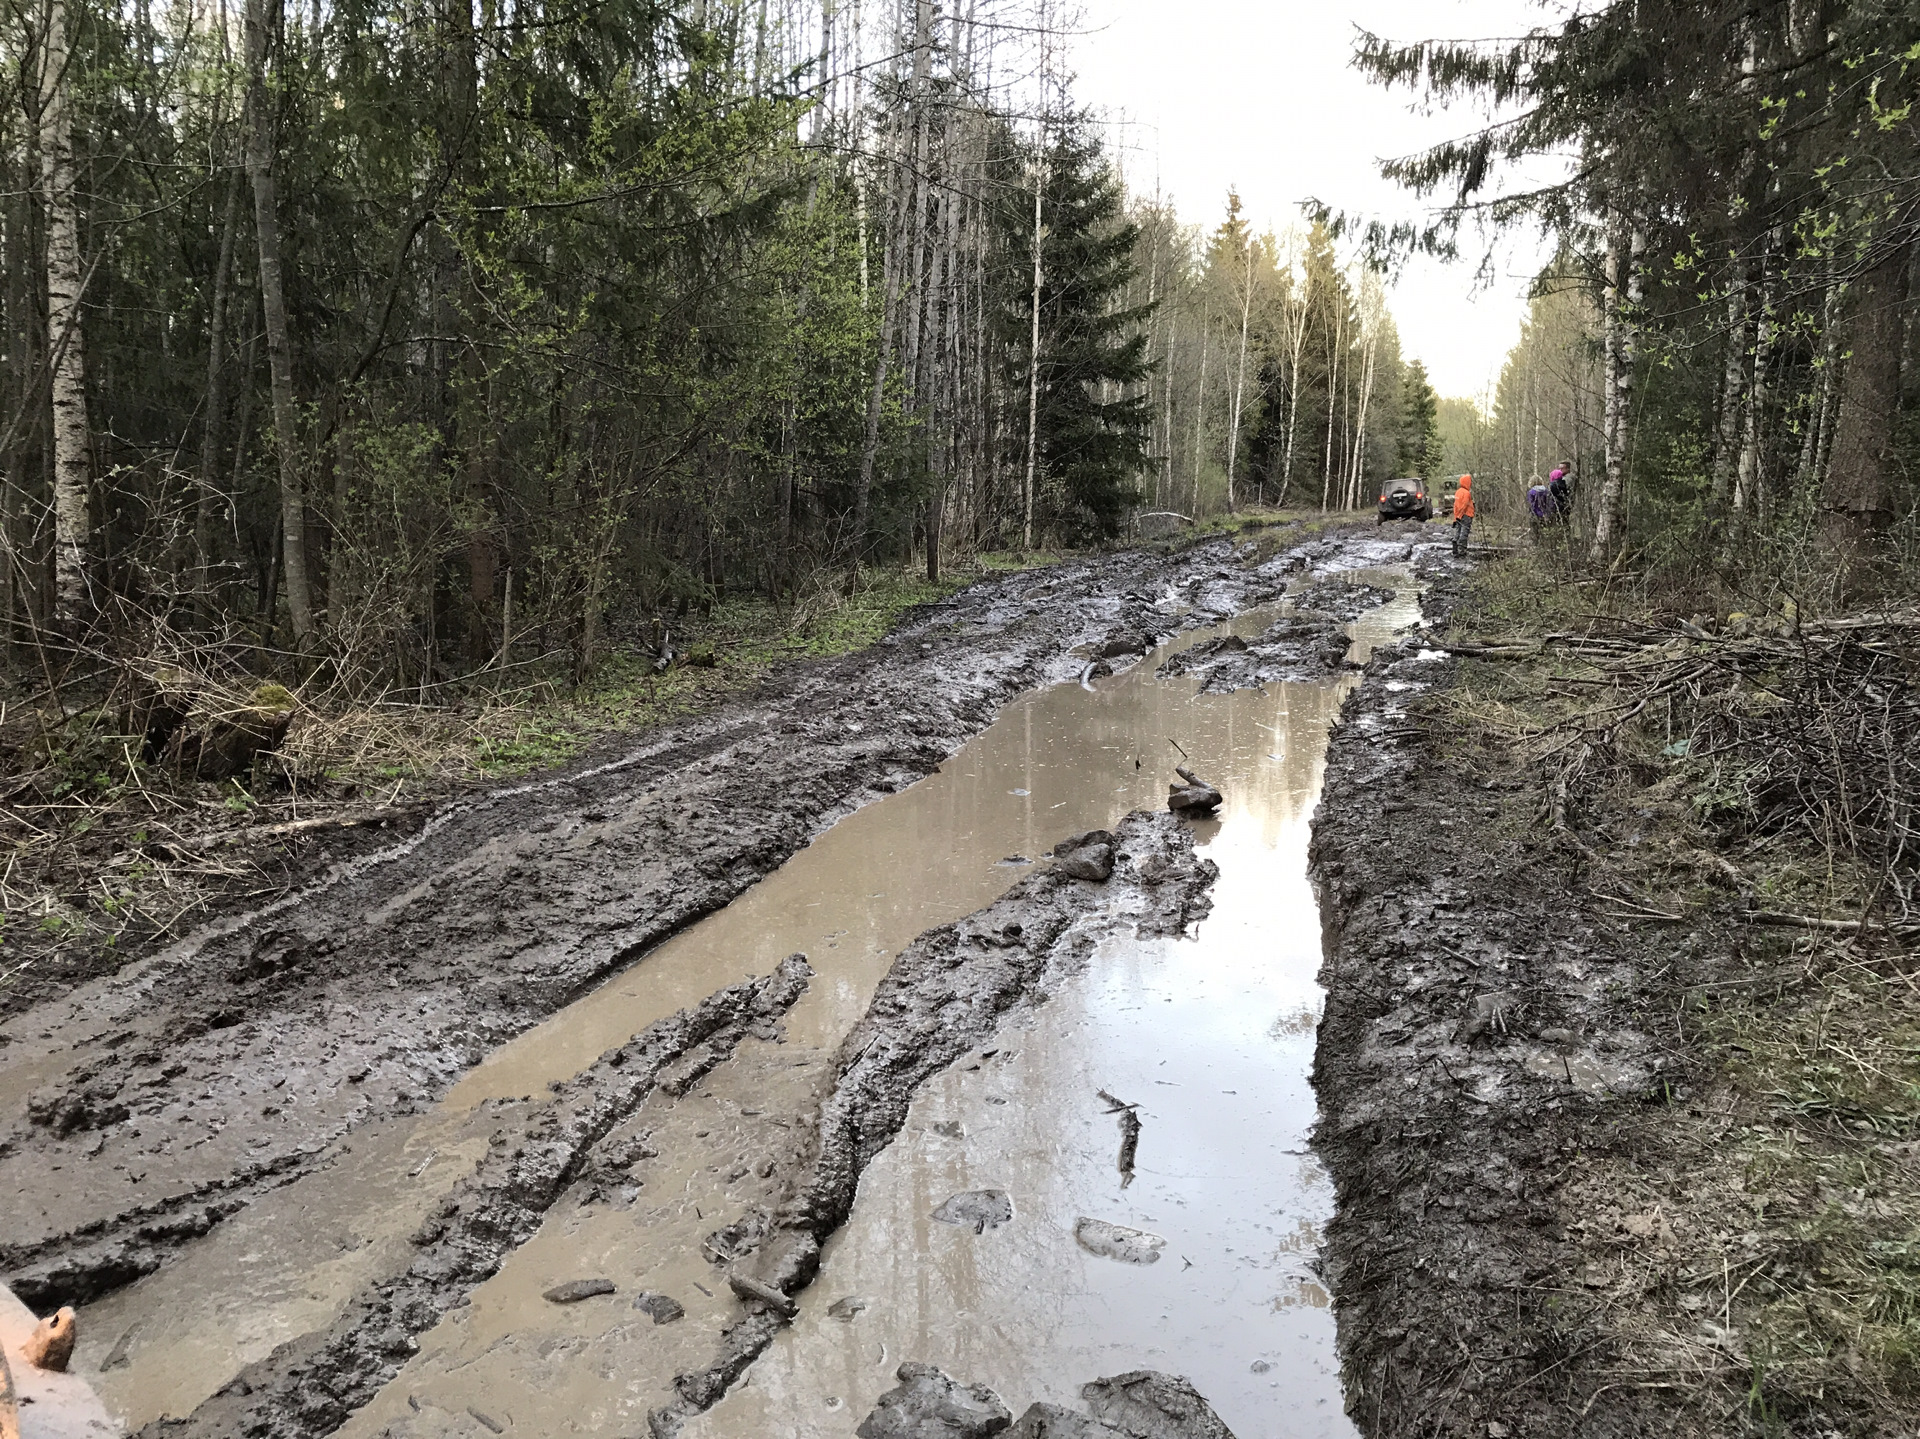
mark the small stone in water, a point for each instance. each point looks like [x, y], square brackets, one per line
[976, 1209]
[664, 1308]
[574, 1290]
[1117, 1241]
[846, 1309]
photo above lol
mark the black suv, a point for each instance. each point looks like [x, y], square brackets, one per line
[1405, 500]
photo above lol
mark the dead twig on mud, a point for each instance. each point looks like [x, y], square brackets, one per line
[1812, 728]
[263, 833]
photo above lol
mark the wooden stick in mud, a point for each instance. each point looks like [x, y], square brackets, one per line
[1129, 1142]
[1129, 1134]
[9, 1403]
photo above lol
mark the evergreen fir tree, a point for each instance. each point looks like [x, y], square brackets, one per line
[1419, 451]
[1092, 419]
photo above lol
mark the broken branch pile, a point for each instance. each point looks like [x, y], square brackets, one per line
[1814, 729]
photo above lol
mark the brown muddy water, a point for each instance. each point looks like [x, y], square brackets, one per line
[1211, 1037]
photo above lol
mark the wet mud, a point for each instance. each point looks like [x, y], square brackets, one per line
[1018, 1232]
[1484, 1030]
[140, 1111]
[317, 1043]
[537, 1152]
[1309, 642]
[942, 995]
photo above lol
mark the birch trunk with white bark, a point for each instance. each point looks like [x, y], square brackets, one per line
[72, 449]
[1622, 307]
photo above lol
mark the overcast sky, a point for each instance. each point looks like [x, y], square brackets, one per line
[1261, 94]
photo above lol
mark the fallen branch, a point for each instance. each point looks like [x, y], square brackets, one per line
[261, 833]
[1808, 921]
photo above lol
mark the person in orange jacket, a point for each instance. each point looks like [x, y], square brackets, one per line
[1462, 514]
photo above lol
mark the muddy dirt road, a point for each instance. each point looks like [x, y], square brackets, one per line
[1486, 1026]
[311, 1131]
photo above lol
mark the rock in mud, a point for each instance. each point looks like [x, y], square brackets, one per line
[1194, 798]
[1147, 1404]
[1123, 645]
[976, 1209]
[1086, 856]
[661, 1308]
[50, 1345]
[1117, 1241]
[574, 1290]
[930, 1405]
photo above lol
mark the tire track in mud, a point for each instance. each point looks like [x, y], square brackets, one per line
[1483, 1026]
[943, 995]
[142, 1109]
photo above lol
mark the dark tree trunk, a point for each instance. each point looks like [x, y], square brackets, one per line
[1857, 499]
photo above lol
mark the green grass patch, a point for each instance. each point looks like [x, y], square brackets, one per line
[734, 647]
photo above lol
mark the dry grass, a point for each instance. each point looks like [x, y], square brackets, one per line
[108, 848]
[1744, 792]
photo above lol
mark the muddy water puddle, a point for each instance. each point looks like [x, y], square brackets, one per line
[1233, 1010]
[1212, 1039]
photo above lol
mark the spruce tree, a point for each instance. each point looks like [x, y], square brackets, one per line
[1419, 451]
[1092, 416]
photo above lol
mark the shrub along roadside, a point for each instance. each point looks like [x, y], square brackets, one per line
[1740, 787]
[113, 846]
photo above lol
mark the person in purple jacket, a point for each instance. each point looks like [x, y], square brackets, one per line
[1539, 508]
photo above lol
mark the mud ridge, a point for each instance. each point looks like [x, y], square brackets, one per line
[945, 993]
[310, 1386]
[1309, 642]
[1142, 1404]
[1484, 1025]
[139, 1110]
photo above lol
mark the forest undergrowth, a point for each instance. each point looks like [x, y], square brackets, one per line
[115, 837]
[1739, 789]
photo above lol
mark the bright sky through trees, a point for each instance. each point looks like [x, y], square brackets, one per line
[1260, 94]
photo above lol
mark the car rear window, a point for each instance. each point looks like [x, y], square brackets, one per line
[1395, 487]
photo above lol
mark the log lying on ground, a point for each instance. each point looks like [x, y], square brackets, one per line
[207, 734]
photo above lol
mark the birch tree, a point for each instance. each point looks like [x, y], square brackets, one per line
[66, 349]
[273, 305]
